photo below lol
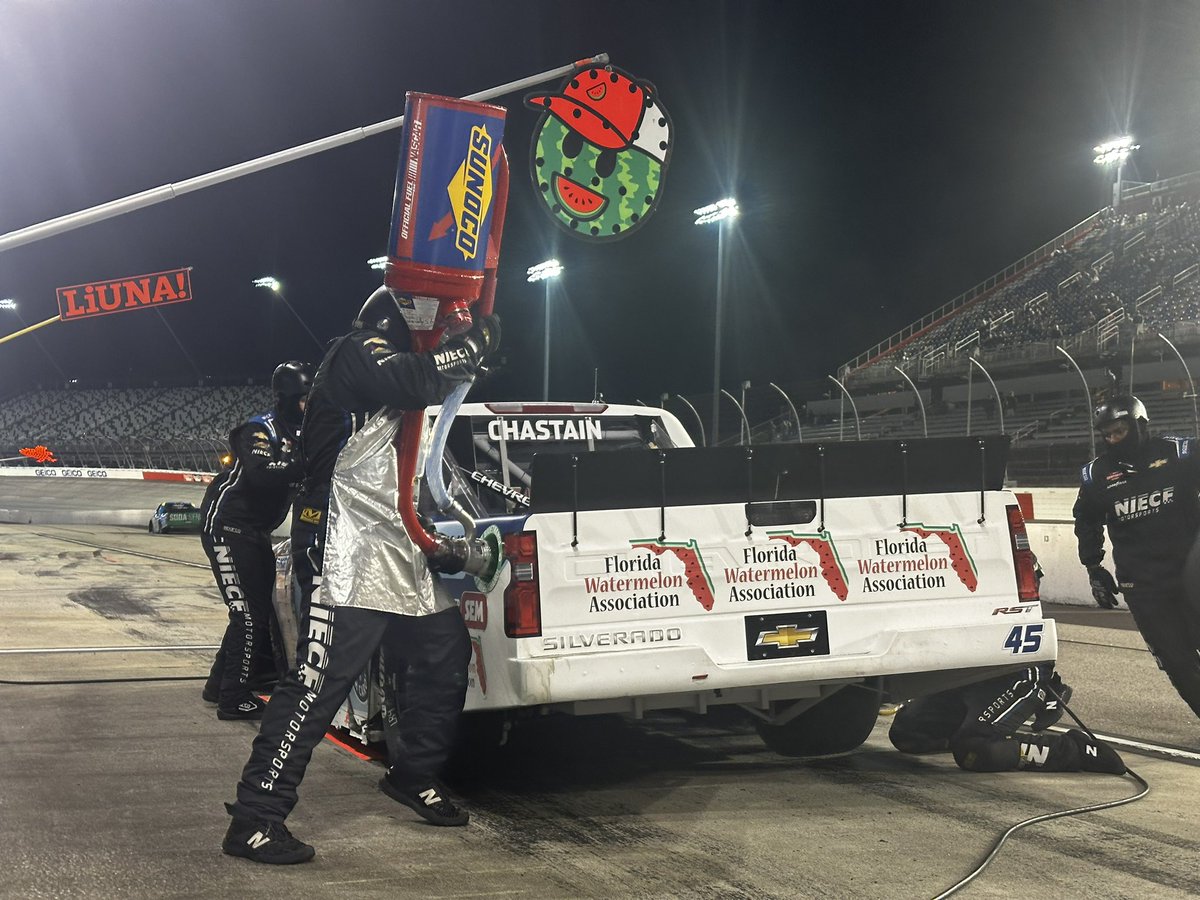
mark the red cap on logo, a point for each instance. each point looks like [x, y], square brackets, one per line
[602, 105]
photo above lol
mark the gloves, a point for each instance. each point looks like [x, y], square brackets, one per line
[459, 357]
[484, 336]
[1104, 588]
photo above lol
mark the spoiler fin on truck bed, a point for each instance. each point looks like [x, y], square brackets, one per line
[693, 476]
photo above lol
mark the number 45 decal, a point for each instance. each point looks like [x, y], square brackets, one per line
[1024, 639]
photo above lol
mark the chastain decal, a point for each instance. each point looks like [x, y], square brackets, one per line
[694, 569]
[831, 564]
[960, 558]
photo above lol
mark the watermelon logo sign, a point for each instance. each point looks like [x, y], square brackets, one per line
[694, 571]
[101, 298]
[600, 152]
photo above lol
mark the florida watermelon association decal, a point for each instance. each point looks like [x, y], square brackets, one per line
[600, 151]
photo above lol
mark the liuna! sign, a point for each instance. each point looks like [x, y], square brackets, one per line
[100, 298]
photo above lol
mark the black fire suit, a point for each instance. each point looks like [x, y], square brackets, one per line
[241, 508]
[979, 724]
[361, 374]
[1148, 500]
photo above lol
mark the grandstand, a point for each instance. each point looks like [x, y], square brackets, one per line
[1026, 352]
[1103, 291]
[149, 427]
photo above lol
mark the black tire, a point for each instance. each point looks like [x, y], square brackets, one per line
[150, 527]
[837, 725]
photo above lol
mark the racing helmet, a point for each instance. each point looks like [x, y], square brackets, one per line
[290, 383]
[1124, 406]
[381, 313]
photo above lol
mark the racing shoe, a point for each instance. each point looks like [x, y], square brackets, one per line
[428, 799]
[265, 842]
[1095, 755]
[1058, 695]
[249, 708]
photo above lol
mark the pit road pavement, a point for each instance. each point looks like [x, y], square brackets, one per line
[112, 786]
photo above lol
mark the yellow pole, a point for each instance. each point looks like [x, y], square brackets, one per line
[17, 334]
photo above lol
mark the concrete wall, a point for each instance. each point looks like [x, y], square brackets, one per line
[1052, 538]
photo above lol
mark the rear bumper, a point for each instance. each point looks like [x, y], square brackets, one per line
[686, 677]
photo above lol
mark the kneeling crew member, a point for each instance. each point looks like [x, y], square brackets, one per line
[978, 723]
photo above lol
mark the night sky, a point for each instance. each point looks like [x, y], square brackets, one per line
[886, 156]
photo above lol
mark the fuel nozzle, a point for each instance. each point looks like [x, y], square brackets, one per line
[479, 557]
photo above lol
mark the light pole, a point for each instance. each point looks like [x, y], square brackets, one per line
[718, 212]
[742, 413]
[792, 406]
[746, 428]
[8, 304]
[545, 271]
[1087, 396]
[846, 394]
[273, 284]
[699, 422]
[921, 403]
[1114, 153]
[1191, 384]
[999, 400]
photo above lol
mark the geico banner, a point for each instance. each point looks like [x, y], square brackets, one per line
[130, 474]
[100, 298]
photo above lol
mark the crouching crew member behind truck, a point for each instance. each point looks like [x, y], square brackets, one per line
[979, 724]
[1144, 489]
[241, 508]
[364, 372]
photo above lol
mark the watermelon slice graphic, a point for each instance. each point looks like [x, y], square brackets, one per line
[581, 202]
[694, 570]
[831, 564]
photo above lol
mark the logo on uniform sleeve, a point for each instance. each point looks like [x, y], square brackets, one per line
[1157, 463]
[310, 516]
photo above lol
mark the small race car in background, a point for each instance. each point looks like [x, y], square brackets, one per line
[174, 517]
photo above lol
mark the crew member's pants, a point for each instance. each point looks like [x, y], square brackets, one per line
[244, 567]
[336, 644]
[1170, 626]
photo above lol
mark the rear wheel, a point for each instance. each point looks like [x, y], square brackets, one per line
[838, 724]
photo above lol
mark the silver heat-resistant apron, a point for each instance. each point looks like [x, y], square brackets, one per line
[369, 560]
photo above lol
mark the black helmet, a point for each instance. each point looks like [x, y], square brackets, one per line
[381, 313]
[1122, 406]
[290, 383]
[291, 379]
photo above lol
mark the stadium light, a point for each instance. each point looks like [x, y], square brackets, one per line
[545, 271]
[720, 212]
[273, 284]
[8, 303]
[378, 262]
[1115, 153]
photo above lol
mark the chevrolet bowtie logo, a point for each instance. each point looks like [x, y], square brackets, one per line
[787, 636]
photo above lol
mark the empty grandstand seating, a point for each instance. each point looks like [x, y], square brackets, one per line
[172, 427]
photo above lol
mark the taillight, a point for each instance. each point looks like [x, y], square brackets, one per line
[1023, 558]
[522, 597]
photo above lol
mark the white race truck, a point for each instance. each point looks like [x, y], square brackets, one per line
[805, 583]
